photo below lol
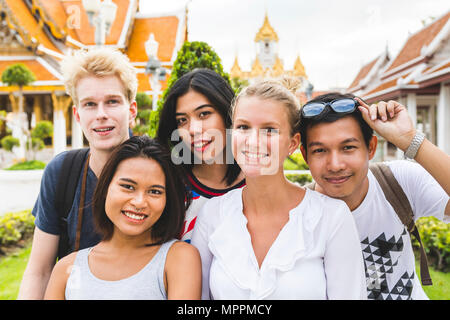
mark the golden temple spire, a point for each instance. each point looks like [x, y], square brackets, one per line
[277, 69]
[266, 32]
[257, 69]
[236, 71]
[299, 69]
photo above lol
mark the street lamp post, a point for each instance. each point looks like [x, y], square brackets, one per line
[101, 15]
[154, 69]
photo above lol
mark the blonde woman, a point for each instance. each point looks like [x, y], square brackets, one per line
[273, 239]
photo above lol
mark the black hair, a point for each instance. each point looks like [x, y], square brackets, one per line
[218, 91]
[170, 223]
[331, 116]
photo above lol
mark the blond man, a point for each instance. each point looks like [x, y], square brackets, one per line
[102, 84]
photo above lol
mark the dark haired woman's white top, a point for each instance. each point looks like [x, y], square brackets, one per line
[147, 284]
[317, 254]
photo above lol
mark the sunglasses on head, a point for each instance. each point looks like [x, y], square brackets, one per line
[343, 105]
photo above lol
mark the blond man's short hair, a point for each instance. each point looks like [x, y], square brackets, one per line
[99, 62]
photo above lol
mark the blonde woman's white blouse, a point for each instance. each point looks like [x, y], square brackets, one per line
[317, 254]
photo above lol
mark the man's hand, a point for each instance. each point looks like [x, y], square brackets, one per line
[390, 120]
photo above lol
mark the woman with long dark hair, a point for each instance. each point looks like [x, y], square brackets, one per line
[194, 123]
[139, 209]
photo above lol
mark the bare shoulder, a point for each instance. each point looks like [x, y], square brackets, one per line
[182, 255]
[181, 250]
[183, 259]
[64, 265]
[58, 279]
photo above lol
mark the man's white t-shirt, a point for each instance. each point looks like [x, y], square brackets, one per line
[385, 242]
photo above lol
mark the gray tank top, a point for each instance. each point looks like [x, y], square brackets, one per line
[147, 284]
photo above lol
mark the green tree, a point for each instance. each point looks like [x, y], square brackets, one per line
[143, 101]
[9, 142]
[18, 75]
[2, 120]
[238, 84]
[192, 55]
[144, 105]
[43, 130]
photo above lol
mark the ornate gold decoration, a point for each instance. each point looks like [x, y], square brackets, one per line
[277, 69]
[299, 69]
[257, 69]
[236, 71]
[266, 32]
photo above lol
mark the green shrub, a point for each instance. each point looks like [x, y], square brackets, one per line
[43, 129]
[435, 237]
[142, 122]
[15, 226]
[295, 162]
[9, 142]
[301, 179]
[143, 100]
[192, 55]
[28, 165]
[36, 144]
[2, 119]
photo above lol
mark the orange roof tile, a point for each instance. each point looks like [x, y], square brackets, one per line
[414, 44]
[363, 72]
[23, 16]
[40, 72]
[389, 84]
[165, 31]
[383, 86]
[56, 11]
[85, 33]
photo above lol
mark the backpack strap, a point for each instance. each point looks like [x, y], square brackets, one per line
[397, 198]
[65, 192]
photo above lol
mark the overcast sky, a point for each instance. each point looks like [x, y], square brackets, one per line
[333, 38]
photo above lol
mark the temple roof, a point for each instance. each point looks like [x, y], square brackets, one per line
[276, 67]
[416, 45]
[49, 29]
[20, 19]
[422, 62]
[299, 68]
[236, 71]
[169, 33]
[369, 71]
[257, 69]
[266, 32]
